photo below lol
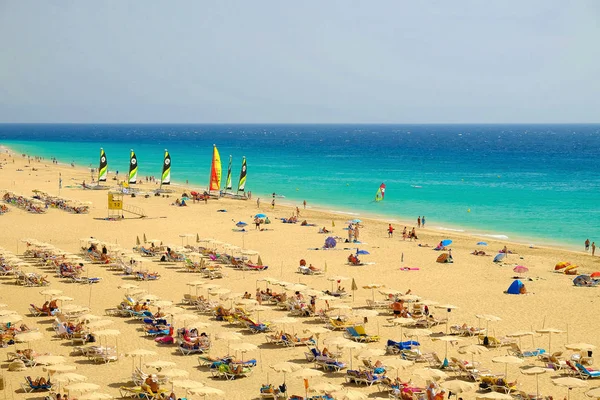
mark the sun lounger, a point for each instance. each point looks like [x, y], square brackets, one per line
[29, 386]
[358, 334]
[496, 342]
[329, 364]
[335, 324]
[393, 347]
[131, 391]
[516, 351]
[586, 373]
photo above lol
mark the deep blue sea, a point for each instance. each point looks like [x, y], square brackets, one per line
[533, 183]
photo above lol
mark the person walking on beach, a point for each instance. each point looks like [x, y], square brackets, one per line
[304, 204]
[423, 221]
[297, 212]
[419, 221]
[273, 204]
[593, 248]
[587, 244]
[390, 231]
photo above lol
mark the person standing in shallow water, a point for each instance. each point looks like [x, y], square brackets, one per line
[587, 244]
[593, 248]
[423, 221]
[419, 221]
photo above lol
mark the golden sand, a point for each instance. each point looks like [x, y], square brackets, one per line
[475, 285]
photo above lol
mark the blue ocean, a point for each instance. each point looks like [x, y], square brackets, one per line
[530, 183]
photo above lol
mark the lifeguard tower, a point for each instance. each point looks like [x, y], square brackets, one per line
[116, 208]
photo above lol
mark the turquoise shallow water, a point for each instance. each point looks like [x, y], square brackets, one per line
[533, 182]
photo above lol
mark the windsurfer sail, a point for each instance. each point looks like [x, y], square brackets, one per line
[133, 168]
[103, 168]
[228, 180]
[242, 184]
[166, 170]
[215, 171]
[380, 193]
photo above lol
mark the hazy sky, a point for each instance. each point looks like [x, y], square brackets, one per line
[300, 61]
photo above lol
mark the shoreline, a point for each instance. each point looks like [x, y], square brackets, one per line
[465, 232]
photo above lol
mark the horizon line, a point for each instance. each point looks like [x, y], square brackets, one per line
[299, 123]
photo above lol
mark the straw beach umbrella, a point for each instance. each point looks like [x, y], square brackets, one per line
[549, 331]
[50, 360]
[535, 371]
[458, 386]
[306, 373]
[95, 396]
[82, 387]
[507, 360]
[569, 383]
[286, 367]
[207, 391]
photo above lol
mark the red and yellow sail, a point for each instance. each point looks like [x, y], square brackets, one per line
[215, 171]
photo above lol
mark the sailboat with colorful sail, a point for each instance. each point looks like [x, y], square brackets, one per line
[228, 179]
[380, 195]
[215, 172]
[165, 176]
[243, 173]
[102, 172]
[103, 168]
[133, 168]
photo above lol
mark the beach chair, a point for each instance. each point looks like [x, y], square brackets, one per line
[358, 334]
[131, 391]
[378, 304]
[29, 387]
[516, 351]
[493, 341]
[312, 354]
[393, 347]
[586, 373]
[329, 364]
[336, 324]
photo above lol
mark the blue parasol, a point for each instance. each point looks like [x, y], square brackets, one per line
[361, 252]
[260, 216]
[330, 243]
[241, 224]
[446, 242]
[481, 244]
[499, 257]
[356, 221]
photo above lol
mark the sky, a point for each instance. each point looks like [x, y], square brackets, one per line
[311, 61]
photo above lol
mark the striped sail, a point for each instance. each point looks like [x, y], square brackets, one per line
[133, 168]
[242, 184]
[103, 168]
[228, 180]
[166, 170]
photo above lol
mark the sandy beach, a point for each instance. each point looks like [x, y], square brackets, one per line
[474, 284]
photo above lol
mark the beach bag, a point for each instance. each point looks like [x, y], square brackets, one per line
[486, 341]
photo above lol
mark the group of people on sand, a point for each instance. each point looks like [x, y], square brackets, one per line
[588, 246]
[412, 234]
[23, 203]
[353, 233]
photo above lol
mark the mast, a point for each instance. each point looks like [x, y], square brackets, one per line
[133, 168]
[103, 168]
[165, 178]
